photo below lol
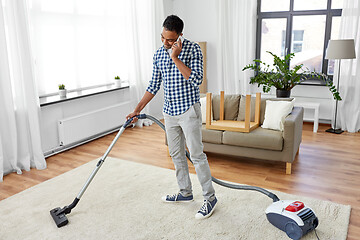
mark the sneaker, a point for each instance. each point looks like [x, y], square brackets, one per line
[206, 209]
[177, 198]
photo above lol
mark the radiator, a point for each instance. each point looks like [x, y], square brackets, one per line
[84, 126]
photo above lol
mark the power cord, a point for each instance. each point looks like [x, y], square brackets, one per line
[316, 234]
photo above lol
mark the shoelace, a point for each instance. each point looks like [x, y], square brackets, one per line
[173, 197]
[204, 207]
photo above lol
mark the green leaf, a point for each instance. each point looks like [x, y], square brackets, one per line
[280, 76]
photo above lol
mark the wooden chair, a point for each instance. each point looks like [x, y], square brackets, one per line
[229, 125]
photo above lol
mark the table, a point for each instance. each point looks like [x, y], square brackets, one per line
[314, 106]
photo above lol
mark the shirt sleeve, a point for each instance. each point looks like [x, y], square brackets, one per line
[156, 79]
[196, 66]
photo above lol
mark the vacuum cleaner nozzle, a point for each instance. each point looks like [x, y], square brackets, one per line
[59, 217]
[59, 214]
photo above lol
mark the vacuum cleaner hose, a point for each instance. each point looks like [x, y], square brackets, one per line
[215, 180]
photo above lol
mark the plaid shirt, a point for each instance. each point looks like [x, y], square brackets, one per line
[179, 94]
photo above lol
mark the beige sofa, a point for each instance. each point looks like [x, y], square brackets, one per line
[260, 143]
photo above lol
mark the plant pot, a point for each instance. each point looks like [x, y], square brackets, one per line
[118, 83]
[62, 93]
[281, 93]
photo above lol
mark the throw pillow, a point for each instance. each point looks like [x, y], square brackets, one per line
[263, 105]
[203, 110]
[231, 108]
[242, 109]
[275, 113]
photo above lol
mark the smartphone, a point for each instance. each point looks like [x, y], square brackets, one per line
[181, 38]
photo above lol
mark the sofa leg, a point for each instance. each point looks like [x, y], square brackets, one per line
[288, 168]
[297, 153]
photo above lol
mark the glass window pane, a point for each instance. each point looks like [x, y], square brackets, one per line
[309, 4]
[275, 5]
[337, 4]
[335, 27]
[309, 41]
[272, 38]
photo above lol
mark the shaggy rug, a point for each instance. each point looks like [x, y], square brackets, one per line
[124, 202]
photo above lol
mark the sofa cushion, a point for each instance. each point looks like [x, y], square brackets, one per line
[211, 136]
[241, 115]
[263, 106]
[275, 113]
[258, 138]
[231, 109]
[242, 107]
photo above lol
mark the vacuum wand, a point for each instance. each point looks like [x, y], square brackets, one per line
[59, 214]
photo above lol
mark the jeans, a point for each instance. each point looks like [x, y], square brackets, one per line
[186, 128]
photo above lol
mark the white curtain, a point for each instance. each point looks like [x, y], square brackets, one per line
[237, 41]
[348, 117]
[80, 43]
[146, 25]
[20, 142]
[84, 43]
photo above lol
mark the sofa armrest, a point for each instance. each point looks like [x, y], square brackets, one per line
[292, 134]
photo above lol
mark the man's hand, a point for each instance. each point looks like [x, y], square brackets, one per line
[176, 49]
[145, 99]
[132, 115]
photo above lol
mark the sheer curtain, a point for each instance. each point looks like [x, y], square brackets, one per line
[80, 43]
[237, 41]
[87, 42]
[146, 21]
[20, 142]
[349, 107]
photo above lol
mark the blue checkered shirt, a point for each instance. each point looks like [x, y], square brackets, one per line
[179, 94]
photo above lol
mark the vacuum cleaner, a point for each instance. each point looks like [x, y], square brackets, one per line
[293, 217]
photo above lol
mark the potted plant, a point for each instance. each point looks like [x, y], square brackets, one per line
[282, 77]
[117, 81]
[62, 90]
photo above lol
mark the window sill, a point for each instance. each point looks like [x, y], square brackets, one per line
[311, 82]
[45, 101]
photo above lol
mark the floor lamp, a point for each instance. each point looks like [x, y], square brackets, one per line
[339, 49]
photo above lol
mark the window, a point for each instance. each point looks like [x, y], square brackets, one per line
[297, 44]
[80, 43]
[303, 27]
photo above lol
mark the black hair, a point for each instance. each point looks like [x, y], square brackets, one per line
[173, 23]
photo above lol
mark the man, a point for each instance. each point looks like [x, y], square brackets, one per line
[179, 64]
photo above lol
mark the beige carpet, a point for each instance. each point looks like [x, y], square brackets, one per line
[124, 202]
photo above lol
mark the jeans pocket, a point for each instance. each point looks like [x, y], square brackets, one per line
[197, 110]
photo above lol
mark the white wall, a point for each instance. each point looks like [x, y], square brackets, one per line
[200, 17]
[200, 25]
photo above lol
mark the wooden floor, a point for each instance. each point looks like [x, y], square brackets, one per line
[327, 167]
